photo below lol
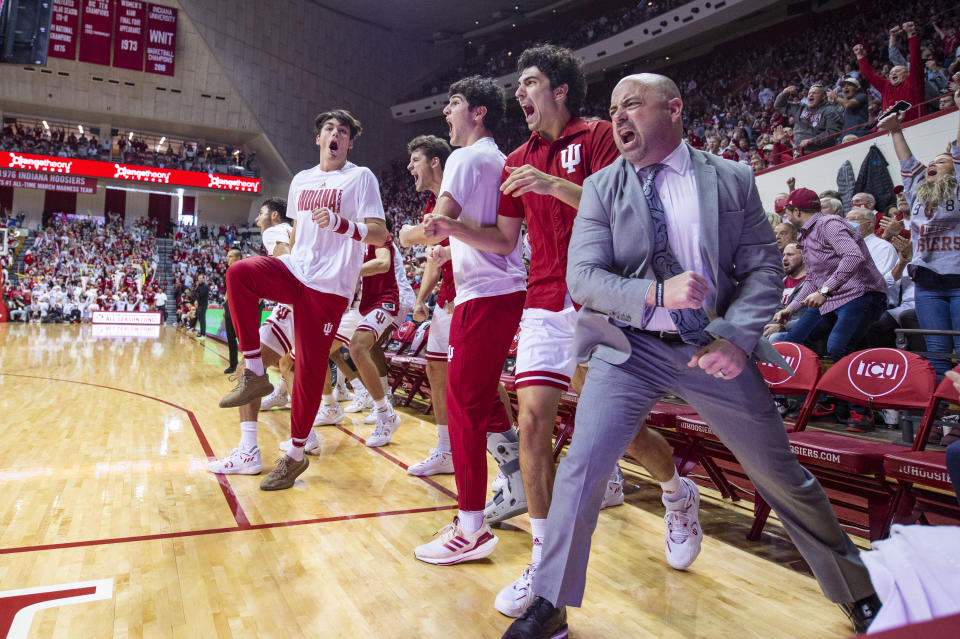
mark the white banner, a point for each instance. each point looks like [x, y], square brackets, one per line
[125, 317]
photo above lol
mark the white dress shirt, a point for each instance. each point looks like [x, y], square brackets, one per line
[677, 187]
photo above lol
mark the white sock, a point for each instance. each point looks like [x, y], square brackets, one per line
[382, 405]
[385, 384]
[443, 438]
[357, 386]
[328, 400]
[296, 452]
[254, 364]
[471, 520]
[674, 490]
[248, 436]
[538, 529]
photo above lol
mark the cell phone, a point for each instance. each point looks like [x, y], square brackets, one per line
[899, 107]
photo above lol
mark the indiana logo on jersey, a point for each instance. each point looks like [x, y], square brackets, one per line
[327, 328]
[311, 199]
[570, 157]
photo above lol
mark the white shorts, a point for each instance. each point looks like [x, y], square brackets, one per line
[377, 321]
[545, 354]
[348, 325]
[438, 342]
[276, 332]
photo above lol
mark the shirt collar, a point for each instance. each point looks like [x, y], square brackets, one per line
[574, 126]
[811, 222]
[678, 160]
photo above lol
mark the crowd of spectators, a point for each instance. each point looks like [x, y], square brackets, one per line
[129, 149]
[76, 265]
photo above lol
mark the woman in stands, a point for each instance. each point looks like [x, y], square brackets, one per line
[935, 231]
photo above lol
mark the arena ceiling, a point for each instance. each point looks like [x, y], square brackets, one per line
[423, 20]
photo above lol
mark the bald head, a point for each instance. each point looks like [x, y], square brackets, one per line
[646, 110]
[898, 74]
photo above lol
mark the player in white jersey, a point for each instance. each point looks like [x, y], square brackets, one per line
[336, 209]
[428, 156]
[489, 302]
[276, 342]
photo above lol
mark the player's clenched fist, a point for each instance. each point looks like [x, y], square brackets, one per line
[686, 290]
[436, 227]
[321, 217]
[439, 255]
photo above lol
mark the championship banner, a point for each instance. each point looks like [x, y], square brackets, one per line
[115, 171]
[162, 38]
[96, 31]
[30, 180]
[128, 30]
[64, 21]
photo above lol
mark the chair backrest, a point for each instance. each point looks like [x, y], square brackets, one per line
[946, 392]
[420, 339]
[406, 332]
[515, 344]
[805, 365]
[881, 378]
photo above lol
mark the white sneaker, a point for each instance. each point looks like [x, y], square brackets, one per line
[683, 528]
[309, 448]
[387, 425]
[238, 463]
[514, 600]
[328, 416]
[614, 494]
[371, 418]
[436, 463]
[361, 401]
[341, 394]
[453, 545]
[277, 399]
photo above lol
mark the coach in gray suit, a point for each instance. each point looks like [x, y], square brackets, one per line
[677, 270]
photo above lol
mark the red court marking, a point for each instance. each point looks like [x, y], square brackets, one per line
[215, 531]
[232, 502]
[443, 489]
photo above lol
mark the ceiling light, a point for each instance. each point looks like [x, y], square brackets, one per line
[45, 125]
[80, 126]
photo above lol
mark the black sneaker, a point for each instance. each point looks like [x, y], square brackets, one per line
[862, 613]
[824, 412]
[542, 620]
[230, 370]
[860, 420]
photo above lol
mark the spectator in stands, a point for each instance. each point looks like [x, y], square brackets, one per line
[853, 101]
[786, 233]
[903, 83]
[830, 205]
[816, 123]
[934, 200]
[842, 282]
[795, 274]
[882, 252]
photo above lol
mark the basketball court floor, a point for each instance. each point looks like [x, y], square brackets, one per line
[111, 526]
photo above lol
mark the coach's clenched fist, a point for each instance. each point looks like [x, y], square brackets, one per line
[686, 290]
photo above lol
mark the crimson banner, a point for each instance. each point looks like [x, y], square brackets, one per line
[64, 20]
[96, 31]
[30, 180]
[162, 38]
[115, 171]
[128, 30]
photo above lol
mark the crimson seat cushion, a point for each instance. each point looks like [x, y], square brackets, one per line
[840, 452]
[664, 414]
[924, 467]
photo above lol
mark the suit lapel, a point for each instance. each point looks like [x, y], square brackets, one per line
[706, 177]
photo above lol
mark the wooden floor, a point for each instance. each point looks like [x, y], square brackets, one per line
[104, 494]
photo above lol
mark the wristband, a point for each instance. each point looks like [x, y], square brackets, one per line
[659, 293]
[354, 230]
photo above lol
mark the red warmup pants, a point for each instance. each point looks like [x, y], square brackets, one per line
[481, 332]
[314, 327]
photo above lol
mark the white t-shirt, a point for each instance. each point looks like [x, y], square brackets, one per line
[323, 260]
[407, 297]
[472, 177]
[276, 234]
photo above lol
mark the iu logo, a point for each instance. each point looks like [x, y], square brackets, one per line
[327, 328]
[570, 157]
[877, 371]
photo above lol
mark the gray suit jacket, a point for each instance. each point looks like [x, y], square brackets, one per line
[610, 251]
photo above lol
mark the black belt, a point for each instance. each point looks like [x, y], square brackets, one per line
[664, 336]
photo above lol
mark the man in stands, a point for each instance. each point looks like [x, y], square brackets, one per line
[542, 185]
[795, 273]
[336, 207]
[428, 156]
[853, 101]
[488, 306]
[882, 251]
[785, 233]
[276, 338]
[816, 123]
[904, 83]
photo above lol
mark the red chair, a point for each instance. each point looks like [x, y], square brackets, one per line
[851, 469]
[806, 373]
[923, 484]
